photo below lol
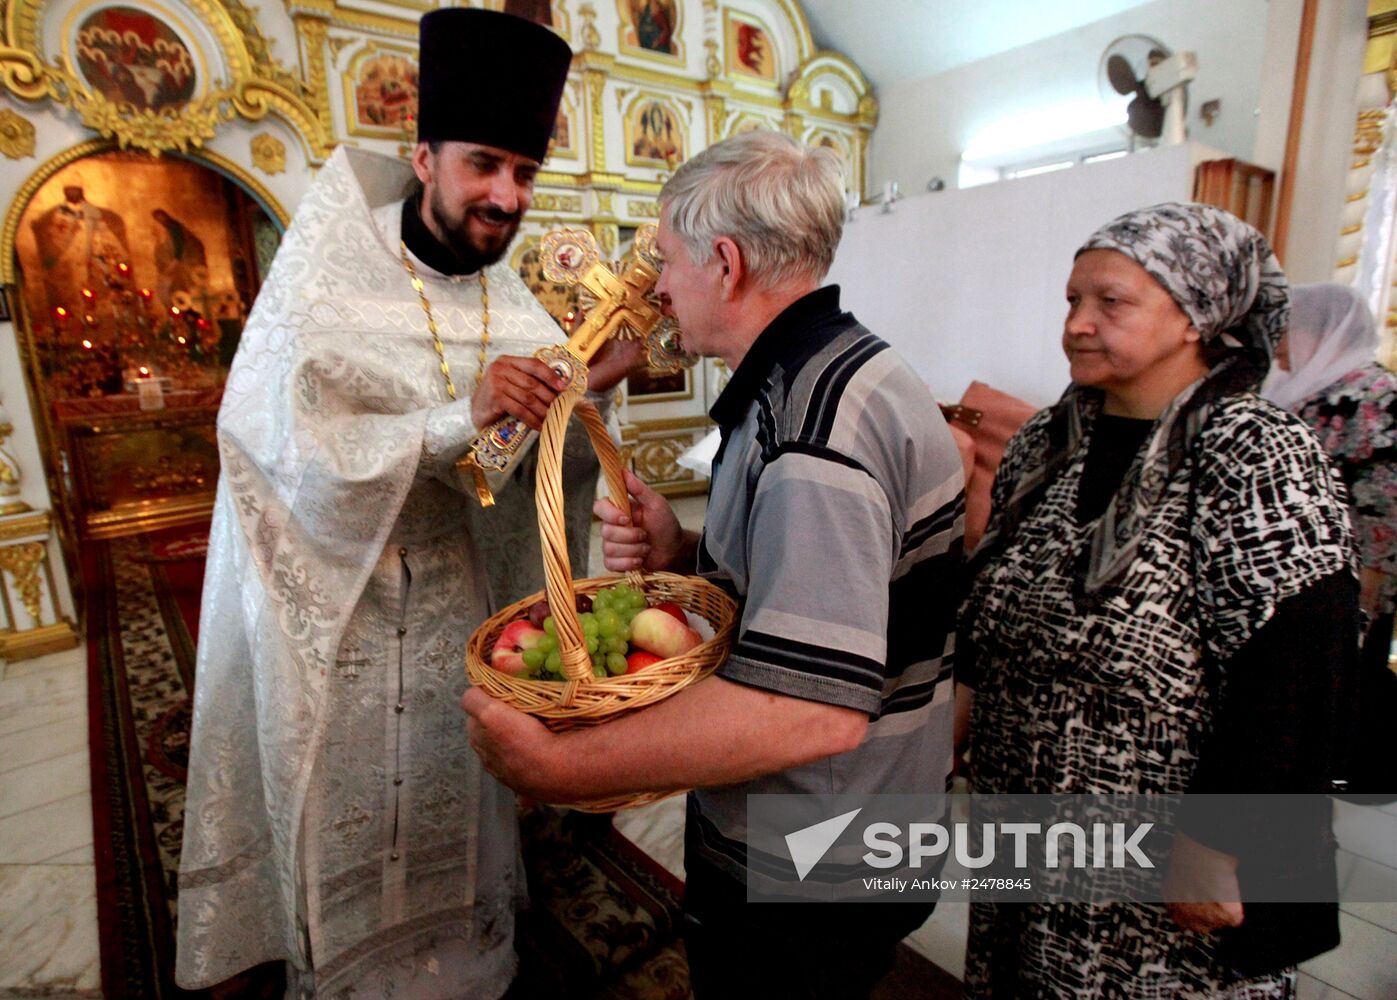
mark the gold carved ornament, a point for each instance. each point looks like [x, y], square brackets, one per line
[17, 135]
[620, 302]
[657, 460]
[22, 562]
[268, 153]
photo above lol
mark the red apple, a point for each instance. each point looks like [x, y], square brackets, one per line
[656, 631]
[640, 659]
[508, 654]
[670, 608]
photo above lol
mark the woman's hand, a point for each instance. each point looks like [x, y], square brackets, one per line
[1201, 888]
[1371, 581]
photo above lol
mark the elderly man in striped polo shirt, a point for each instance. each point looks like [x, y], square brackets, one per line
[835, 517]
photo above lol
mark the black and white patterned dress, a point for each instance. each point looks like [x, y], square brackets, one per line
[1109, 692]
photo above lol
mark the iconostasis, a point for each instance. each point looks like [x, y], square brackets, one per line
[155, 150]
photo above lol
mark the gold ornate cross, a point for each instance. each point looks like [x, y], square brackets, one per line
[625, 308]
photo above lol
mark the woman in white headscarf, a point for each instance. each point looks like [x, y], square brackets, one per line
[1326, 373]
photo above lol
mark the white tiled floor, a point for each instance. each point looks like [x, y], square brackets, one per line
[48, 900]
[48, 909]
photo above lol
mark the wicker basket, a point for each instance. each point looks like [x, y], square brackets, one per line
[583, 699]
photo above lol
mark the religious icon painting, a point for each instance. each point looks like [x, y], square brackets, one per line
[381, 94]
[562, 145]
[650, 28]
[132, 57]
[654, 135]
[749, 49]
[549, 13]
[538, 11]
[129, 262]
[653, 386]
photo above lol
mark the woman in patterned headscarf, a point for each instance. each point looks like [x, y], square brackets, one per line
[1161, 540]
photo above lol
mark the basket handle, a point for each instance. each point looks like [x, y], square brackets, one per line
[557, 567]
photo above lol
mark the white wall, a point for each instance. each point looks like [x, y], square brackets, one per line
[969, 284]
[23, 444]
[924, 125]
[23, 447]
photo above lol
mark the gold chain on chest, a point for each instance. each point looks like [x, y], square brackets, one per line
[419, 288]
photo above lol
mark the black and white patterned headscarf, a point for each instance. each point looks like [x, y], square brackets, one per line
[1222, 273]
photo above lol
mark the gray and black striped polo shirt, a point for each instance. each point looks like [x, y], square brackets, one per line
[835, 517]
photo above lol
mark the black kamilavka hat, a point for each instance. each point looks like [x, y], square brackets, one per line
[489, 78]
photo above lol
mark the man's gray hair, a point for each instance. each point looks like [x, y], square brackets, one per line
[782, 204]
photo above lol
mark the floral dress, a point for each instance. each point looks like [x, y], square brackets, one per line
[1356, 420]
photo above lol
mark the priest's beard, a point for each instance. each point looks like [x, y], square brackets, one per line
[457, 238]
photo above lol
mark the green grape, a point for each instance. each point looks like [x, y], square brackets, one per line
[601, 601]
[554, 662]
[548, 643]
[589, 623]
[534, 658]
[615, 663]
[637, 600]
[598, 671]
[550, 626]
[616, 645]
[592, 642]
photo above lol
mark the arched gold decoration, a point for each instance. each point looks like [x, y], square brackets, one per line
[799, 94]
[258, 86]
[796, 16]
[10, 233]
[748, 121]
[16, 135]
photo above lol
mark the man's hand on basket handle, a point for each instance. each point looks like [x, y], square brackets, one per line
[650, 539]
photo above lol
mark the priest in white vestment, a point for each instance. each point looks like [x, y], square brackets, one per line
[336, 817]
